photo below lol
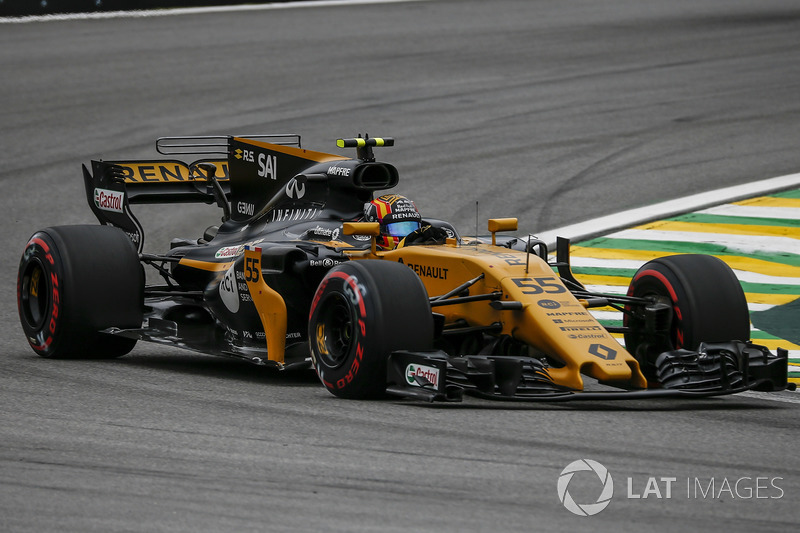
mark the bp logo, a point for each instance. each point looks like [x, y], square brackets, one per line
[585, 509]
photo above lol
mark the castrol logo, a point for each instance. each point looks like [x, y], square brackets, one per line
[428, 372]
[108, 200]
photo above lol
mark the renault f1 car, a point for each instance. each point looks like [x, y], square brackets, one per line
[292, 276]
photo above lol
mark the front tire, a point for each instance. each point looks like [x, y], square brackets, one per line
[363, 311]
[707, 301]
[72, 283]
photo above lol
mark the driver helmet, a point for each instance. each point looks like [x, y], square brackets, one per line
[397, 215]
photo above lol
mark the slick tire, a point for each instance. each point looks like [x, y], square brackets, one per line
[72, 283]
[363, 311]
[707, 300]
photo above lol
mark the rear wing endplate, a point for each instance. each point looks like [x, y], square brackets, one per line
[112, 186]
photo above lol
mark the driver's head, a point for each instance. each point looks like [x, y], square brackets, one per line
[397, 215]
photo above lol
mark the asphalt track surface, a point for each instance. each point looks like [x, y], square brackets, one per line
[552, 111]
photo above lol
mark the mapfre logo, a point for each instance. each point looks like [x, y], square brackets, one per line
[585, 465]
[109, 200]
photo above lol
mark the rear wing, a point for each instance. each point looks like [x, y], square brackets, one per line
[267, 177]
[112, 186]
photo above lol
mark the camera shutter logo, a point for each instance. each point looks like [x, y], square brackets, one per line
[585, 509]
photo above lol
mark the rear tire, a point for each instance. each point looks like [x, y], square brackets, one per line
[363, 311]
[72, 283]
[707, 301]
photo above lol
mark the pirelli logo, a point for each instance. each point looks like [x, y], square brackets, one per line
[165, 172]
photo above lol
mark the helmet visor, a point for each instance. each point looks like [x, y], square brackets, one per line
[401, 229]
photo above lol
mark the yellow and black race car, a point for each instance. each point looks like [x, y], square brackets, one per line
[295, 275]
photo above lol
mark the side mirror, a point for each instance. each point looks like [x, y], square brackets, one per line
[501, 224]
[373, 229]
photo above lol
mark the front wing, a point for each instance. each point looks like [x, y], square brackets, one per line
[713, 370]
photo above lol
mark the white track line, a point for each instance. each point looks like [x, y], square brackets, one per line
[195, 10]
[632, 217]
[751, 211]
[742, 243]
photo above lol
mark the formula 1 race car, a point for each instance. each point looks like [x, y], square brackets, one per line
[294, 276]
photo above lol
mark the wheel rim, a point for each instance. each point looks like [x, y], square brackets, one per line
[638, 335]
[34, 294]
[661, 297]
[335, 333]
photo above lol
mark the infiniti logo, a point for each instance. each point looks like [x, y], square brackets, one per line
[295, 189]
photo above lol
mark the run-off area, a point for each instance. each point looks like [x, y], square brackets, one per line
[759, 238]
